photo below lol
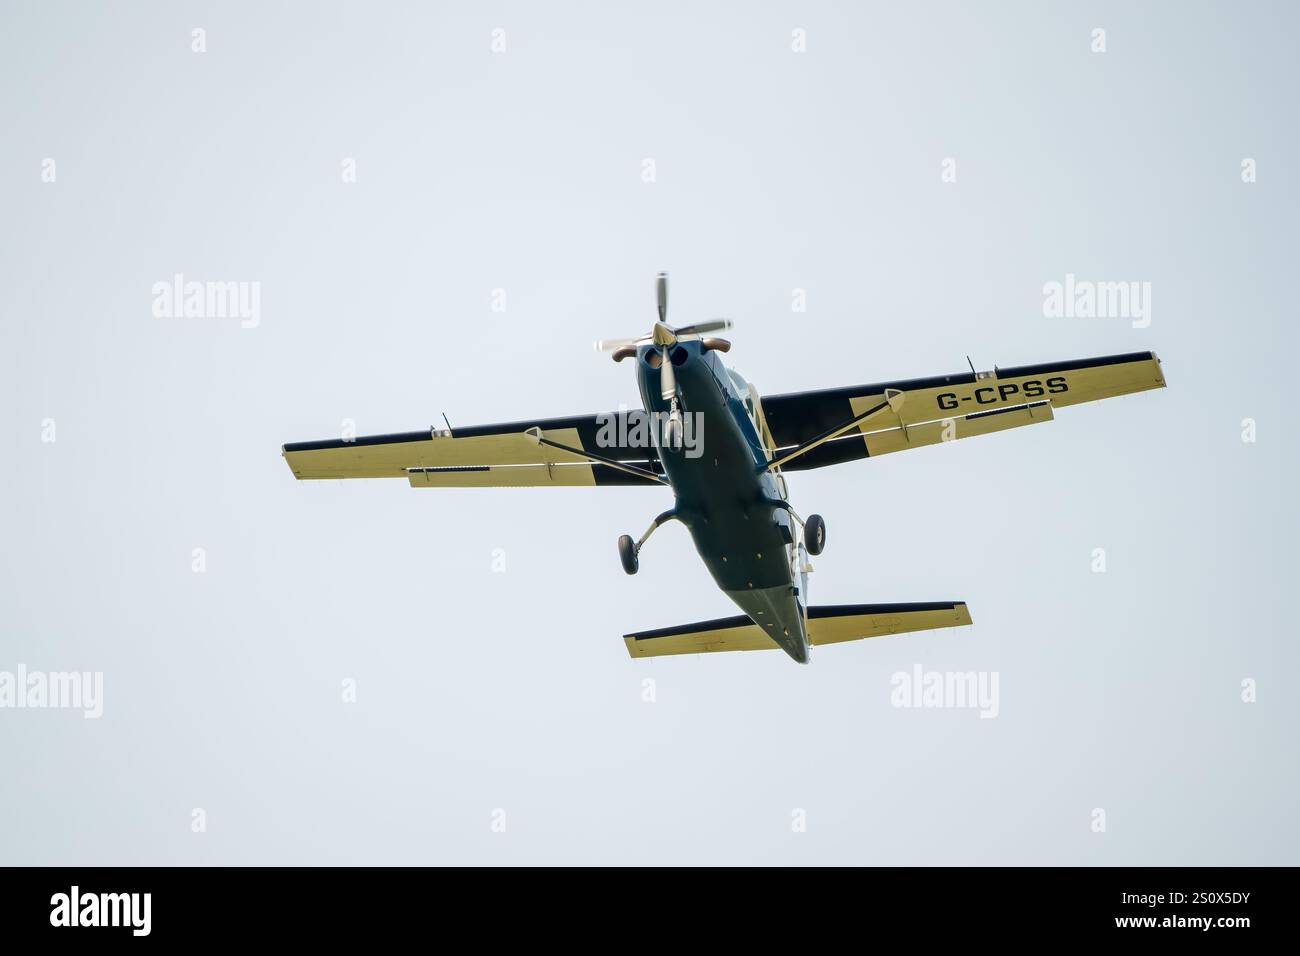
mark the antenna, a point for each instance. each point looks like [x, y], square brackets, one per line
[972, 365]
[435, 432]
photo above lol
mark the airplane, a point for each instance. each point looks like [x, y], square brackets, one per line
[724, 451]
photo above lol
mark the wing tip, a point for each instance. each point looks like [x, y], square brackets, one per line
[284, 453]
[1160, 370]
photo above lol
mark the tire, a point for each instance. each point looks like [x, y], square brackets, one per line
[627, 554]
[814, 534]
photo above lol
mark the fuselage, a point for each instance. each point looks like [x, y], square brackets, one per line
[732, 504]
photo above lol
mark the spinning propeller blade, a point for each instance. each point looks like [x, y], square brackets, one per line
[699, 328]
[662, 335]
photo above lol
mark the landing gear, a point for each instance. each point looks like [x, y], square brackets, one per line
[627, 554]
[629, 549]
[814, 534]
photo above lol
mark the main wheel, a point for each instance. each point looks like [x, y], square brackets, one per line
[627, 554]
[814, 534]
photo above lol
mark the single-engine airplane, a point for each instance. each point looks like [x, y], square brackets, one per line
[706, 433]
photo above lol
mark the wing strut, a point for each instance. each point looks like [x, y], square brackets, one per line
[535, 435]
[893, 400]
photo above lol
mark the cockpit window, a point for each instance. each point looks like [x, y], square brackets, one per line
[746, 395]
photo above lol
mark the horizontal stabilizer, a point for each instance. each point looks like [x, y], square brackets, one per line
[827, 624]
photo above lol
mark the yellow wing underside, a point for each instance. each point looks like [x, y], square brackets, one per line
[826, 625]
[913, 414]
[996, 391]
[483, 461]
[889, 440]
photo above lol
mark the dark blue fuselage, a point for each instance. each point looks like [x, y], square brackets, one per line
[732, 504]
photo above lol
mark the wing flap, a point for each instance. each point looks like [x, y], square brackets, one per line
[889, 440]
[565, 475]
[951, 429]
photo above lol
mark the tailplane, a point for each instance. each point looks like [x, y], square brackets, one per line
[827, 624]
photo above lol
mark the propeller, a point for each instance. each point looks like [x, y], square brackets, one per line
[664, 336]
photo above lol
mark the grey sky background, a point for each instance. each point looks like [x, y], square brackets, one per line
[522, 170]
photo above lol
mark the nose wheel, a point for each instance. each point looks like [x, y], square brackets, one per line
[627, 554]
[814, 535]
[629, 549]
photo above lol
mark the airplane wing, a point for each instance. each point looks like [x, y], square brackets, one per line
[827, 624]
[808, 428]
[561, 452]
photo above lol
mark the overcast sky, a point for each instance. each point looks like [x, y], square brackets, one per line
[440, 217]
